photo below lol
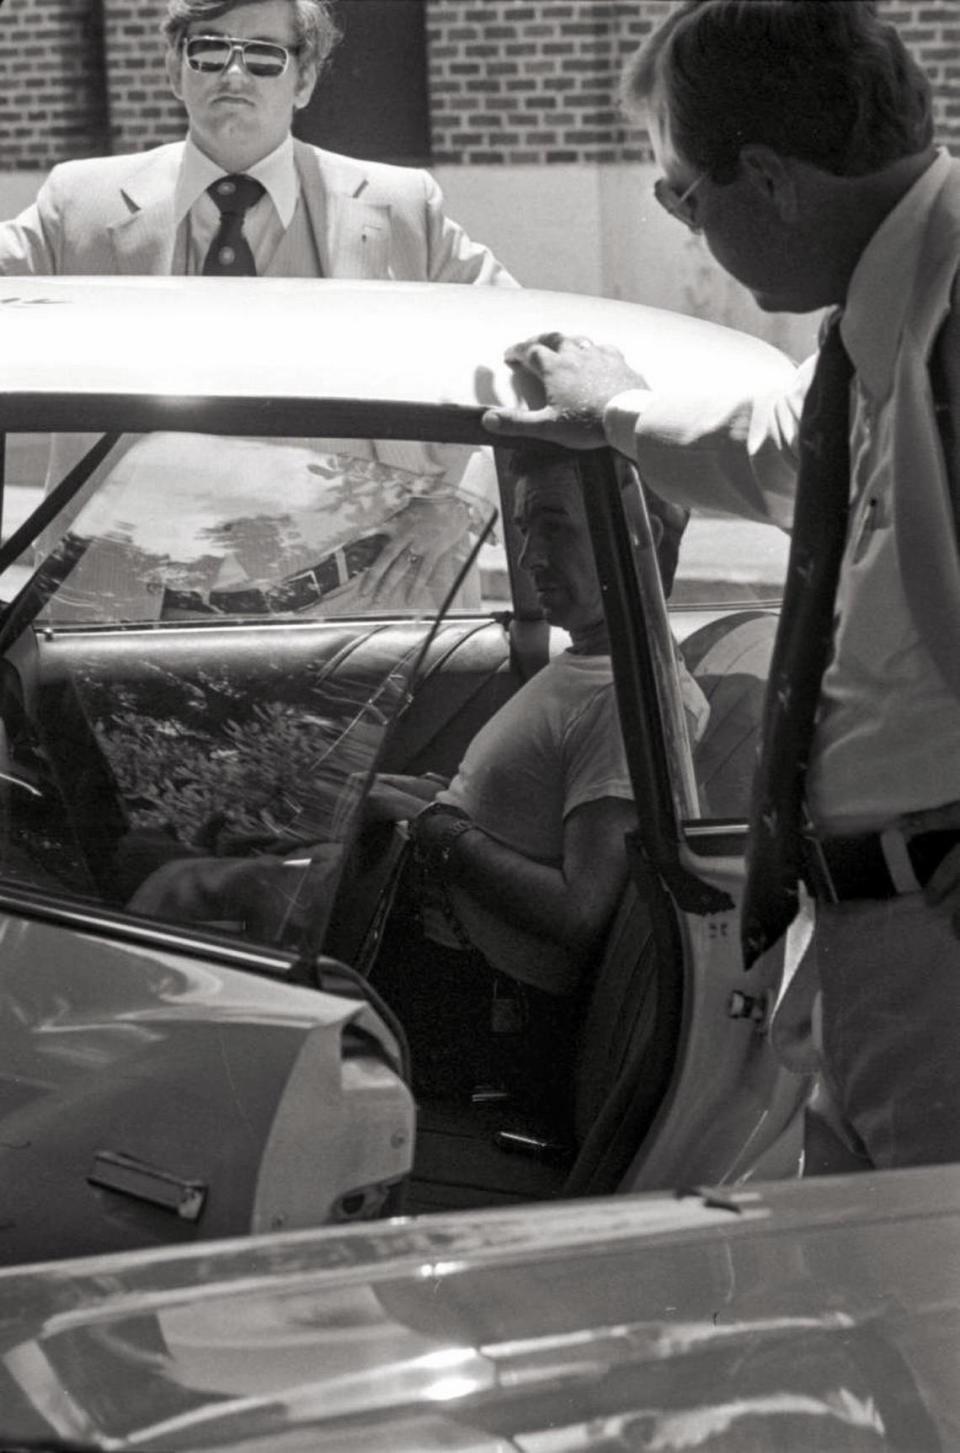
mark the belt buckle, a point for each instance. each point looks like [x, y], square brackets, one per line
[820, 878]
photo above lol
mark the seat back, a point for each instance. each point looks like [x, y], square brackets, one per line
[730, 661]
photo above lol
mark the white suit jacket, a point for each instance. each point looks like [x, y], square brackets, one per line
[115, 215]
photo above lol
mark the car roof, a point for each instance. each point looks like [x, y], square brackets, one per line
[797, 1314]
[85, 343]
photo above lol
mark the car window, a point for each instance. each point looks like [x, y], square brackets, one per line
[207, 651]
[725, 561]
[176, 526]
[724, 613]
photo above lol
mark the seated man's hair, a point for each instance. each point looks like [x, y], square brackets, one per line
[669, 520]
[316, 30]
[827, 82]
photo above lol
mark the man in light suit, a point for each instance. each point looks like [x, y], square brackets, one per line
[242, 71]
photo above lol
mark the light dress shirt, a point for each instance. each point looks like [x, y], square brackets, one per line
[265, 222]
[887, 739]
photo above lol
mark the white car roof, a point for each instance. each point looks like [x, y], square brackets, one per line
[422, 344]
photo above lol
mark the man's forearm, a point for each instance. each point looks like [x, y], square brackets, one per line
[527, 894]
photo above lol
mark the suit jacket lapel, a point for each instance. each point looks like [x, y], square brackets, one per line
[352, 234]
[144, 235]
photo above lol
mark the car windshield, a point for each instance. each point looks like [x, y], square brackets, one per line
[184, 618]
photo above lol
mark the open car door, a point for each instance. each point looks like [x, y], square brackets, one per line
[183, 696]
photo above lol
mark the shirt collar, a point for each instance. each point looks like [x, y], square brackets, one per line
[887, 263]
[277, 172]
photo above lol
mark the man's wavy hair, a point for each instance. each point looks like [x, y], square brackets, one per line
[316, 30]
[824, 81]
[668, 521]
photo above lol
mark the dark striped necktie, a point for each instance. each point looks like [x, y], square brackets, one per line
[801, 652]
[229, 254]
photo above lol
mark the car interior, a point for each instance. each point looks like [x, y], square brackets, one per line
[111, 726]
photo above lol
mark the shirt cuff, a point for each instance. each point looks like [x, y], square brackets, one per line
[622, 416]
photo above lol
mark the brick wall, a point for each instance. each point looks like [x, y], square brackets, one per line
[53, 99]
[931, 28]
[511, 81]
[527, 81]
[142, 110]
[516, 81]
[519, 81]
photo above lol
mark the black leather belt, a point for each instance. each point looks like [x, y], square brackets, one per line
[873, 865]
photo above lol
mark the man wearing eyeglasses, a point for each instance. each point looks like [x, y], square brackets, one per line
[797, 137]
[241, 196]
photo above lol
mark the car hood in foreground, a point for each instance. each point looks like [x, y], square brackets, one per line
[822, 1314]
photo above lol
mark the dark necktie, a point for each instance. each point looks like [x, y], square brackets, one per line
[801, 652]
[229, 254]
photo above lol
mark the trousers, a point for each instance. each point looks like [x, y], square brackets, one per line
[882, 982]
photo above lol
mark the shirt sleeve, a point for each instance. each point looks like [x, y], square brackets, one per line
[715, 451]
[453, 256]
[595, 762]
[27, 242]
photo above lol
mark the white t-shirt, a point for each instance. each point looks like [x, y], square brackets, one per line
[553, 746]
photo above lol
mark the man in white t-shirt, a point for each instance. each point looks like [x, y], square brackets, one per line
[521, 857]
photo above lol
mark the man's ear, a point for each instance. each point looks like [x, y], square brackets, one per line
[172, 63]
[773, 177]
[306, 82]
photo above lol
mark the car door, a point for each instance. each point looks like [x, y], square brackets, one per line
[168, 695]
[728, 1108]
[195, 667]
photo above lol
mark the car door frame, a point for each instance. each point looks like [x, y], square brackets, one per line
[749, 1121]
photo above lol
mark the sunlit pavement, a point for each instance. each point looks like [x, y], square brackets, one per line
[723, 559]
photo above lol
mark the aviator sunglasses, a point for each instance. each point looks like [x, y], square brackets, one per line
[213, 54]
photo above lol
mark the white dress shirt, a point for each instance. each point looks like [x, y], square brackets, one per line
[265, 222]
[887, 739]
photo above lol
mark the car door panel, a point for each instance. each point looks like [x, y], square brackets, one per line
[146, 1096]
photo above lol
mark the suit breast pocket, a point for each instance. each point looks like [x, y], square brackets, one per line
[360, 246]
[375, 251]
